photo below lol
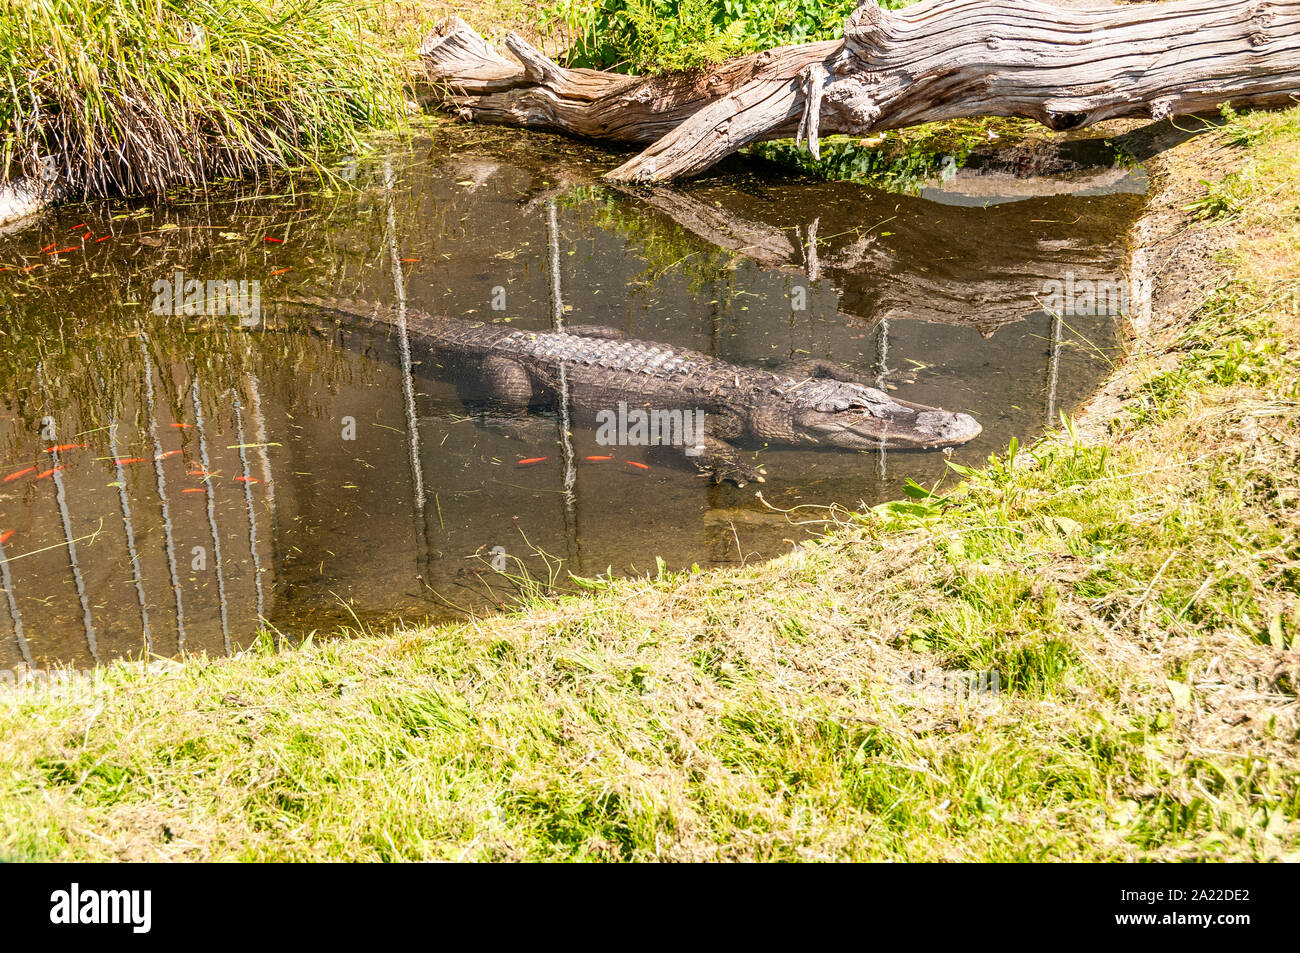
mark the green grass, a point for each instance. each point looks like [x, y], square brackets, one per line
[1132, 579]
[121, 96]
[656, 36]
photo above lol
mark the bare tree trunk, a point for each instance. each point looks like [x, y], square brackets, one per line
[941, 59]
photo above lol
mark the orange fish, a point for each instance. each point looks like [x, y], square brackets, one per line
[169, 453]
[62, 251]
[48, 247]
[280, 271]
[104, 239]
[639, 466]
[49, 472]
[15, 476]
[278, 241]
[199, 472]
[194, 489]
[4, 537]
[530, 460]
[600, 458]
[243, 479]
[183, 426]
[75, 227]
[125, 460]
[65, 446]
[410, 259]
[39, 264]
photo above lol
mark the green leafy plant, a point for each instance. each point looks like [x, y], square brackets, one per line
[1223, 199]
[678, 36]
[656, 36]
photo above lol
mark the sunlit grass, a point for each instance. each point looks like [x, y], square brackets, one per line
[115, 96]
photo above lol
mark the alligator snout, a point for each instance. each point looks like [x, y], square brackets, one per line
[949, 429]
[874, 419]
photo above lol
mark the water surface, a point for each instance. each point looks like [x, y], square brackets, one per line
[220, 478]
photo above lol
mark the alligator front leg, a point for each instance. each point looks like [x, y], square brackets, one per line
[507, 382]
[501, 394]
[721, 461]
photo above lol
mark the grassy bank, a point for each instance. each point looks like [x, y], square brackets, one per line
[125, 96]
[1131, 579]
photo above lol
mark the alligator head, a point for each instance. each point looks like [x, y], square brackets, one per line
[841, 414]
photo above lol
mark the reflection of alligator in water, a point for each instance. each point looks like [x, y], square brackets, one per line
[813, 403]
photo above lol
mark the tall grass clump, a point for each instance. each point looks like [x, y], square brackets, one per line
[113, 96]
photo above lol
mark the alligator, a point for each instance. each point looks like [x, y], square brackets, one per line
[814, 403]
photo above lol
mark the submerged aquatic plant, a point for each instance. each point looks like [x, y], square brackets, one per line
[113, 96]
[898, 160]
[901, 166]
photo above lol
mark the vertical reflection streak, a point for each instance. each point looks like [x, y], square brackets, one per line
[119, 473]
[61, 497]
[255, 408]
[882, 369]
[408, 380]
[252, 515]
[162, 494]
[212, 510]
[15, 616]
[1053, 368]
[567, 456]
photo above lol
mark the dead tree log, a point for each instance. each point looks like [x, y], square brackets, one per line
[941, 59]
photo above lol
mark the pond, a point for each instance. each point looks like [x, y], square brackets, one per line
[174, 482]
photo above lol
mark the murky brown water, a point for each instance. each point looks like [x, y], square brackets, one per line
[212, 481]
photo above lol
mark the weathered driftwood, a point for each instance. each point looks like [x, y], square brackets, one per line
[1066, 67]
